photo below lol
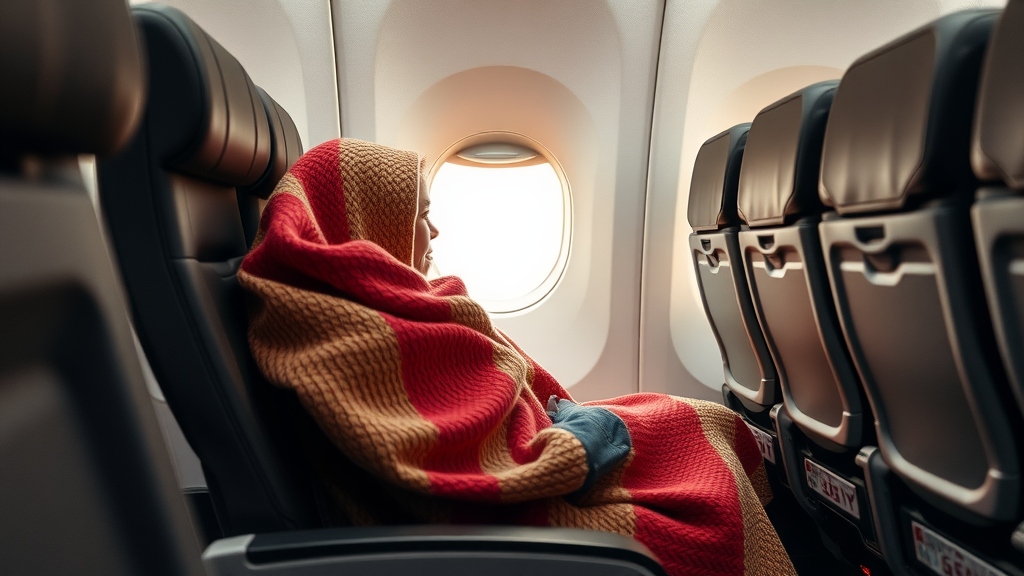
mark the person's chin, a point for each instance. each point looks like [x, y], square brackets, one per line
[424, 263]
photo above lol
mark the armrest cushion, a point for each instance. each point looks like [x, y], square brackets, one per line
[495, 547]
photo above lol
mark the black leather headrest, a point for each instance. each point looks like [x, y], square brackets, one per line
[72, 76]
[900, 123]
[997, 151]
[285, 147]
[204, 108]
[782, 159]
[716, 174]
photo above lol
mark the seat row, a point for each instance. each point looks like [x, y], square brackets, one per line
[858, 248]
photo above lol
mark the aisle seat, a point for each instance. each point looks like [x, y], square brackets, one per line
[87, 485]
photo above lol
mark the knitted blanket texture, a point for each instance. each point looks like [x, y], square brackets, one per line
[413, 383]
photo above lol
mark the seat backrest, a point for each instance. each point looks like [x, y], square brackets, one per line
[711, 211]
[716, 173]
[170, 200]
[782, 161]
[778, 198]
[997, 149]
[86, 480]
[285, 149]
[904, 269]
[997, 155]
[899, 131]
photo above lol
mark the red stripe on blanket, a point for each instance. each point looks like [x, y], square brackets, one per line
[464, 404]
[684, 494]
[320, 168]
[523, 426]
[295, 239]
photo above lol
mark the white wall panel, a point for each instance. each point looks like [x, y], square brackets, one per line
[576, 75]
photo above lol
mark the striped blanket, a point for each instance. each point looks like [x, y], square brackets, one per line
[412, 382]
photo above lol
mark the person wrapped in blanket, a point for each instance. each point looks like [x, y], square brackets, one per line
[414, 384]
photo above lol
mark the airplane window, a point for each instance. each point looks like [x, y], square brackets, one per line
[503, 228]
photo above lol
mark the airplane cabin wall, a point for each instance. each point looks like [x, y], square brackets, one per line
[721, 62]
[575, 75]
[579, 77]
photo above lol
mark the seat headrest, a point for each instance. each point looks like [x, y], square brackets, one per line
[901, 119]
[285, 147]
[72, 75]
[205, 115]
[716, 174]
[997, 151]
[782, 159]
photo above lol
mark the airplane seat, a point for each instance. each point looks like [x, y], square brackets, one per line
[170, 201]
[87, 485]
[714, 246]
[285, 149]
[778, 199]
[997, 156]
[749, 374]
[901, 260]
[822, 426]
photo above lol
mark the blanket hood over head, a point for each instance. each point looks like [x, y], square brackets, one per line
[412, 382]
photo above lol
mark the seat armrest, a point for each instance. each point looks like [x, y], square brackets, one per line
[447, 550]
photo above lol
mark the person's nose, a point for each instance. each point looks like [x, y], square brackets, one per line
[433, 231]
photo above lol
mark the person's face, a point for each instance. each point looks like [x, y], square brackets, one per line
[424, 232]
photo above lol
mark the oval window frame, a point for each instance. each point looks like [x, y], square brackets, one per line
[521, 304]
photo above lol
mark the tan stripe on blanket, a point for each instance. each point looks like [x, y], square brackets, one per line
[604, 507]
[562, 467]
[763, 554]
[382, 180]
[329, 350]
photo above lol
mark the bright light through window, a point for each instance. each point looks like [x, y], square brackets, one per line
[501, 229]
